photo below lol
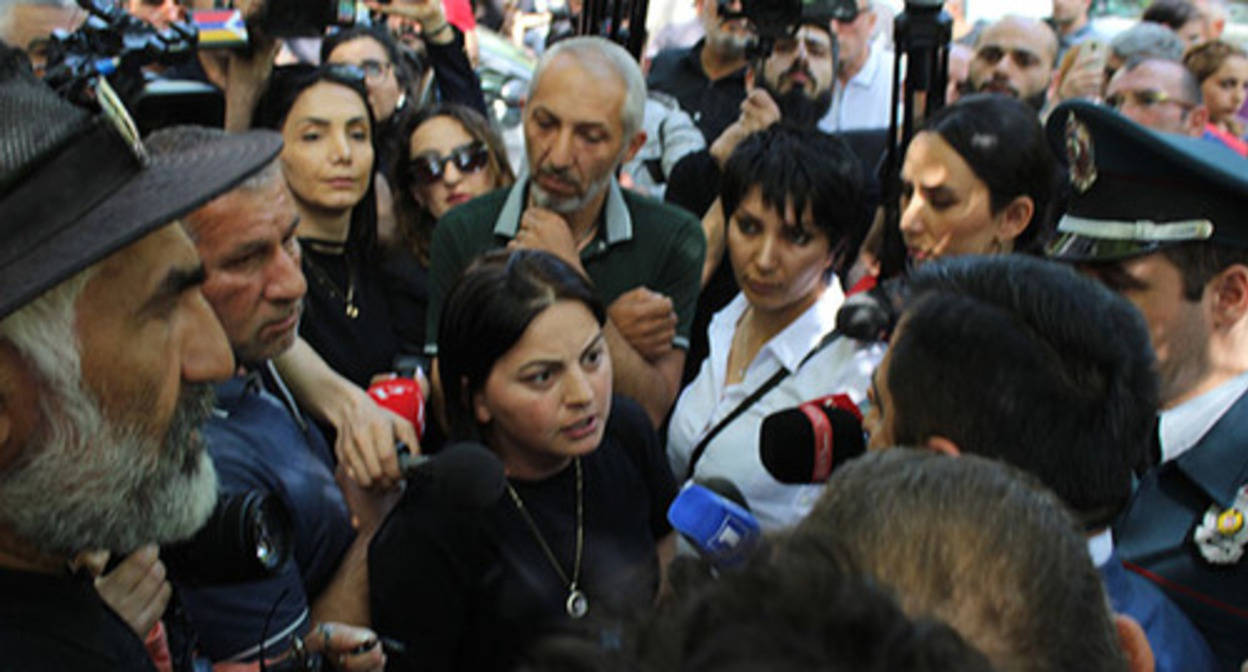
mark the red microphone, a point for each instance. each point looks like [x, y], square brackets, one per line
[805, 444]
[403, 396]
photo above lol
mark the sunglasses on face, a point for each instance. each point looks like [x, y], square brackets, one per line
[1144, 98]
[429, 167]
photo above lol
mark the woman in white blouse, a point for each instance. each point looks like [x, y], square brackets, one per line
[794, 200]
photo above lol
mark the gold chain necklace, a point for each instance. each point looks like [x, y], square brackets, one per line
[577, 605]
[348, 297]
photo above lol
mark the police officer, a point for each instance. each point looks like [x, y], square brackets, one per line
[1160, 218]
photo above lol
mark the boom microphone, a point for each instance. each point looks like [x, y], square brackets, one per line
[805, 444]
[466, 473]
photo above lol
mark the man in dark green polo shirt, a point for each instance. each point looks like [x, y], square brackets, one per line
[582, 121]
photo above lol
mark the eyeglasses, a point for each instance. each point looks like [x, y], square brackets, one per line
[344, 71]
[374, 70]
[1144, 98]
[428, 168]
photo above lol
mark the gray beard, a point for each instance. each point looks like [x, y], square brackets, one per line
[567, 206]
[85, 483]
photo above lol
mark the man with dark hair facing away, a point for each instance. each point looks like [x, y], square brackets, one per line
[1066, 405]
[983, 547]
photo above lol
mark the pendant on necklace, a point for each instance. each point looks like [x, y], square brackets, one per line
[352, 311]
[577, 604]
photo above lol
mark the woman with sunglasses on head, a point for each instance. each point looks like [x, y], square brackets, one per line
[578, 539]
[451, 155]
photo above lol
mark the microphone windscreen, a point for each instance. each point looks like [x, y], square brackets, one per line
[805, 444]
[722, 531]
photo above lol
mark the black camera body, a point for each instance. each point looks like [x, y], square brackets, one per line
[247, 538]
[304, 18]
[779, 19]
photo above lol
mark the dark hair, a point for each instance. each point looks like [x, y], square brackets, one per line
[803, 607]
[979, 545]
[1199, 262]
[378, 34]
[415, 223]
[998, 354]
[487, 313]
[802, 167]
[1001, 139]
[285, 86]
[1172, 13]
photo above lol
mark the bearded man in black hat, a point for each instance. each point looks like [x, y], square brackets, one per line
[107, 351]
[1160, 218]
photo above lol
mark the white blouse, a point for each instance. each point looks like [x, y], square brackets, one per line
[844, 366]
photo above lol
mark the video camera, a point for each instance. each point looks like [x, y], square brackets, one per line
[247, 538]
[779, 19]
[115, 45]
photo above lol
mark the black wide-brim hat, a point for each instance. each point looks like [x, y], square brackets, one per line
[1135, 191]
[74, 187]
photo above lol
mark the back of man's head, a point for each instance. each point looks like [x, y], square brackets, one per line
[801, 607]
[979, 545]
[1147, 40]
[1027, 361]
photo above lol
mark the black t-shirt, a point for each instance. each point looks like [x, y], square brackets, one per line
[469, 590]
[60, 623]
[357, 347]
[713, 105]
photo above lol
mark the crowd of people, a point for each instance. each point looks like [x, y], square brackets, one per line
[1016, 349]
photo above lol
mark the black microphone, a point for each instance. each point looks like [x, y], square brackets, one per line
[467, 473]
[805, 444]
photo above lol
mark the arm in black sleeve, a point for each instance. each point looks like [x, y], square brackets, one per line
[457, 81]
[423, 564]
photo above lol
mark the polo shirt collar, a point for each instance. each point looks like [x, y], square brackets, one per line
[619, 223]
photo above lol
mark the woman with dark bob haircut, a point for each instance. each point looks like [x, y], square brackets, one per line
[580, 537]
[977, 179]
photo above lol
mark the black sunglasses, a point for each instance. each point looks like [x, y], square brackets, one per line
[428, 168]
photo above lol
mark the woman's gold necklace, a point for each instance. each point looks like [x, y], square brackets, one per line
[322, 278]
[577, 605]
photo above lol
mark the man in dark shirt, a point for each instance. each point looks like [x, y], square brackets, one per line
[708, 78]
[258, 437]
[107, 349]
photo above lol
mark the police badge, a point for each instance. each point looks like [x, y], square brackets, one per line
[1223, 534]
[1079, 154]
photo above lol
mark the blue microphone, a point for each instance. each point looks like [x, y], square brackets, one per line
[724, 531]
